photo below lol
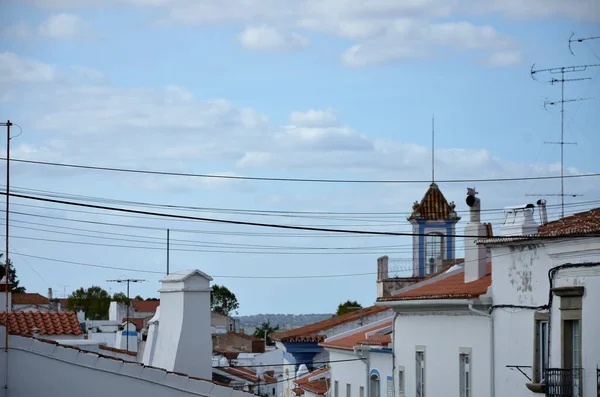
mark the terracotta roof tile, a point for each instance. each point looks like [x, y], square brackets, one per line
[317, 386]
[451, 287]
[361, 338]
[243, 373]
[581, 223]
[433, 206]
[145, 306]
[29, 299]
[23, 323]
[314, 332]
[249, 337]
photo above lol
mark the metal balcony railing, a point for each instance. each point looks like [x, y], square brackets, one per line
[564, 382]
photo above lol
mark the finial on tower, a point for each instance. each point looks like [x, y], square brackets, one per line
[433, 148]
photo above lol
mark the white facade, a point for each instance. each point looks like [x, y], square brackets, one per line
[355, 377]
[127, 338]
[179, 338]
[521, 278]
[442, 335]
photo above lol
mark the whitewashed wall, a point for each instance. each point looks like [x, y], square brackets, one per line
[356, 373]
[520, 277]
[443, 335]
[69, 372]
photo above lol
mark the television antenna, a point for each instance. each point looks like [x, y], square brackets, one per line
[128, 281]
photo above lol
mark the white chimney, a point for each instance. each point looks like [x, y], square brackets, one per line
[518, 221]
[49, 294]
[183, 340]
[475, 255]
[3, 295]
[543, 212]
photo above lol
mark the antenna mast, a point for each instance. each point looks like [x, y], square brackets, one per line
[433, 148]
[562, 70]
[127, 280]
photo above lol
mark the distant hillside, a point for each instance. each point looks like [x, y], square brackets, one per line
[285, 321]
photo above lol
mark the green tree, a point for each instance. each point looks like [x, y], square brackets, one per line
[347, 307]
[267, 329]
[138, 298]
[121, 298]
[152, 299]
[222, 300]
[12, 278]
[93, 301]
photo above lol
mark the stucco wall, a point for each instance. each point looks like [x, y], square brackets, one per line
[443, 335]
[520, 277]
[355, 372]
[60, 371]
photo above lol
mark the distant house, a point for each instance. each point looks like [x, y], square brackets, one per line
[222, 323]
[237, 341]
[372, 345]
[25, 302]
[313, 384]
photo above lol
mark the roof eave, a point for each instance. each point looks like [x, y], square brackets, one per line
[423, 303]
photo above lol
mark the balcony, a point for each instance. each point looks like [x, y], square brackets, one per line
[564, 382]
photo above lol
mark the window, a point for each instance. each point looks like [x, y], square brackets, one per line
[273, 391]
[401, 381]
[336, 389]
[433, 251]
[465, 374]
[374, 386]
[361, 391]
[540, 359]
[390, 387]
[348, 390]
[420, 373]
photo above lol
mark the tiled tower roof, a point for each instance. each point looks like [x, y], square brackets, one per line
[434, 206]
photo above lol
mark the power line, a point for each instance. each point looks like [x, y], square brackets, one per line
[275, 179]
[229, 221]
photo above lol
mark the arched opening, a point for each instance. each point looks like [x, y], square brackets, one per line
[374, 385]
[434, 251]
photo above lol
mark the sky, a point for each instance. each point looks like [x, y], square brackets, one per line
[330, 89]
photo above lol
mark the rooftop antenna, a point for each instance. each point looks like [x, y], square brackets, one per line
[581, 40]
[433, 148]
[127, 280]
[562, 70]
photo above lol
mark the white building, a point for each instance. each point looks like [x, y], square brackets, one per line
[361, 361]
[442, 332]
[546, 313]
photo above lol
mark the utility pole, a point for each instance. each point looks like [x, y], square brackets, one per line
[168, 240]
[127, 280]
[562, 70]
[6, 268]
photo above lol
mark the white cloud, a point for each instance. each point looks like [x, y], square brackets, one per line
[14, 69]
[314, 117]
[265, 38]
[88, 74]
[503, 58]
[20, 30]
[64, 26]
[415, 39]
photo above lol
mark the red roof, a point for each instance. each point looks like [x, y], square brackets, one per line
[56, 323]
[145, 306]
[316, 386]
[249, 337]
[362, 338]
[243, 373]
[29, 299]
[314, 332]
[433, 206]
[451, 287]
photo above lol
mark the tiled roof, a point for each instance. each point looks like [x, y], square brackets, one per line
[316, 386]
[451, 287]
[243, 373]
[314, 332]
[145, 306]
[249, 337]
[361, 338]
[581, 223]
[433, 206]
[29, 299]
[23, 323]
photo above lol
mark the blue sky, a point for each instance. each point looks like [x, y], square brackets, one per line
[328, 89]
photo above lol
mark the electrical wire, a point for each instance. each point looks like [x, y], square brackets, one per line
[136, 171]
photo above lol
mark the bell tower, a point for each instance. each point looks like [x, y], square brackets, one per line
[434, 226]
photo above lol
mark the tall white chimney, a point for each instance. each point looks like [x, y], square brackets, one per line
[3, 295]
[183, 340]
[49, 294]
[543, 212]
[475, 255]
[518, 221]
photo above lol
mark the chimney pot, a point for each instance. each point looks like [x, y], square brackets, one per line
[475, 255]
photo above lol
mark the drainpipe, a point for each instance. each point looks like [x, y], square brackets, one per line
[358, 350]
[394, 355]
[492, 350]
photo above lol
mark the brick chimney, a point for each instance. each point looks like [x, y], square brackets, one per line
[475, 255]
